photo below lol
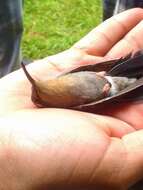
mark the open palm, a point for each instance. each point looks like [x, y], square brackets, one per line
[58, 147]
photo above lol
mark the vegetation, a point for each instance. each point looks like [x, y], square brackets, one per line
[54, 25]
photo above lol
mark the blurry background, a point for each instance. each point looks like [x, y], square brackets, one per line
[51, 26]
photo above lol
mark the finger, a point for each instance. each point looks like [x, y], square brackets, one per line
[132, 42]
[101, 39]
[130, 113]
[108, 124]
[133, 144]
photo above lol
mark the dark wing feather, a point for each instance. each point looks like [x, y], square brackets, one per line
[132, 67]
[98, 67]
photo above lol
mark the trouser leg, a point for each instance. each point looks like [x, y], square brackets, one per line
[111, 7]
[10, 35]
[108, 8]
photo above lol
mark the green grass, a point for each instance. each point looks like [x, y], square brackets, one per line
[54, 25]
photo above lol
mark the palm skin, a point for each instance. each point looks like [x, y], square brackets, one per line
[53, 148]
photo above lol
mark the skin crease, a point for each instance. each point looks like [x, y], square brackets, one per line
[59, 148]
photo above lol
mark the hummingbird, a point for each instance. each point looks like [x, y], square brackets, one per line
[90, 86]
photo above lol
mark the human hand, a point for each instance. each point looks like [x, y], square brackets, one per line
[54, 148]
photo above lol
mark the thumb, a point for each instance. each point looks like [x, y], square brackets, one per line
[73, 57]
